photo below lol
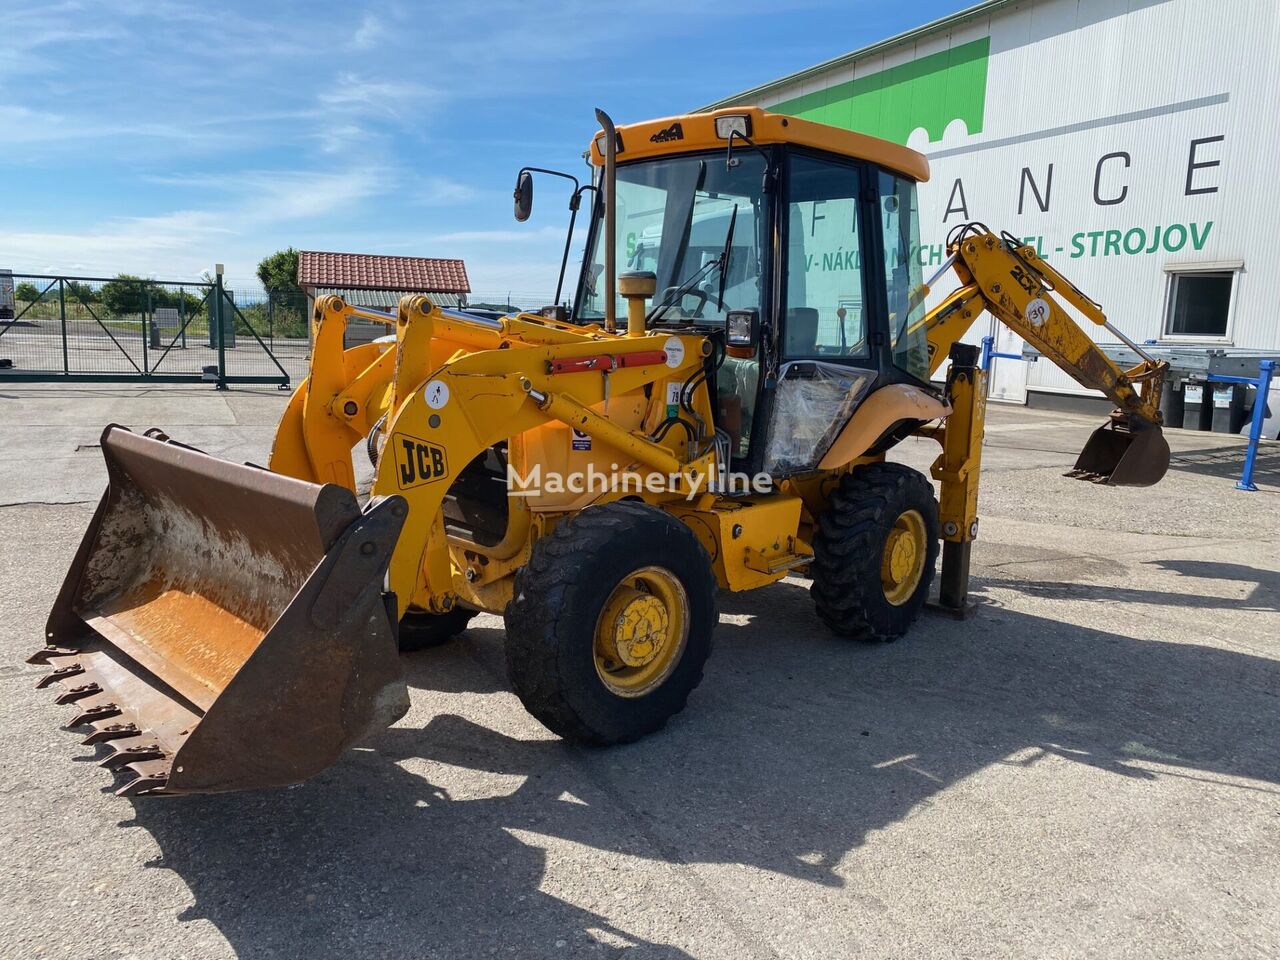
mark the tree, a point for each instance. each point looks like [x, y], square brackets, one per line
[279, 274]
[26, 291]
[76, 290]
[124, 295]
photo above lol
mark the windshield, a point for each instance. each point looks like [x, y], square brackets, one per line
[673, 218]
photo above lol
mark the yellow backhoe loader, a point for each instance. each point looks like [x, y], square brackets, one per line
[714, 414]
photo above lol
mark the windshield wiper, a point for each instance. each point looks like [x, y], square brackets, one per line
[724, 256]
[671, 299]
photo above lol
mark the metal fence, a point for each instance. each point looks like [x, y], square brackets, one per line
[120, 329]
[512, 300]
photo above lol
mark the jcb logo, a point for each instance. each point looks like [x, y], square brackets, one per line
[417, 461]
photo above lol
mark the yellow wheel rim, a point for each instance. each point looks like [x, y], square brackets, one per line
[902, 563]
[641, 632]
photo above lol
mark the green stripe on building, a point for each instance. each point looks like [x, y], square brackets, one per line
[929, 92]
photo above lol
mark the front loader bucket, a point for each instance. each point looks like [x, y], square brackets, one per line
[1124, 454]
[223, 627]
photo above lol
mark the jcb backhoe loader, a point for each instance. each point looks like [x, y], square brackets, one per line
[733, 390]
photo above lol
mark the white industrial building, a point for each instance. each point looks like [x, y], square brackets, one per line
[1136, 142]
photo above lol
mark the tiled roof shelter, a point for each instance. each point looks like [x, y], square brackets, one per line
[364, 271]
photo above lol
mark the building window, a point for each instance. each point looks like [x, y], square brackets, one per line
[1199, 304]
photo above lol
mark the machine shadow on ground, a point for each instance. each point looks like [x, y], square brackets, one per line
[1228, 462]
[792, 752]
[1263, 587]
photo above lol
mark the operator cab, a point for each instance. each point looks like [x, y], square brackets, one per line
[793, 245]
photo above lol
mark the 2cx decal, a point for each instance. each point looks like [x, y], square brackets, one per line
[418, 461]
[1025, 280]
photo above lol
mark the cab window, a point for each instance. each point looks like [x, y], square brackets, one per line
[825, 316]
[900, 226]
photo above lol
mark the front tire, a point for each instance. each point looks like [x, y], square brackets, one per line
[610, 623]
[420, 629]
[874, 552]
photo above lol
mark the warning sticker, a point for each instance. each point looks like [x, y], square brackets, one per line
[674, 348]
[581, 441]
[673, 399]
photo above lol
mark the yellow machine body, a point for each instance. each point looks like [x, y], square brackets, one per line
[470, 423]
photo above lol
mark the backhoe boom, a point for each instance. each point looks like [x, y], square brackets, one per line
[1018, 288]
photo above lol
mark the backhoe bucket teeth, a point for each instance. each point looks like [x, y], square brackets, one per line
[230, 621]
[1124, 454]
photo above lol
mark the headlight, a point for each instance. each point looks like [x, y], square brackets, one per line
[741, 328]
[617, 143]
[738, 123]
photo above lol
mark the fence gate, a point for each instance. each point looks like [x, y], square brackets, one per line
[103, 330]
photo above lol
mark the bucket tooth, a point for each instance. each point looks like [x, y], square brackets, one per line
[78, 693]
[62, 673]
[109, 731]
[1087, 475]
[52, 650]
[98, 711]
[131, 750]
[149, 776]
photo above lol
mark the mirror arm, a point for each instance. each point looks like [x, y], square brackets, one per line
[577, 184]
[568, 241]
[575, 200]
[730, 162]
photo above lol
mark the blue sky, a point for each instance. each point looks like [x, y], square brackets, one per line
[157, 137]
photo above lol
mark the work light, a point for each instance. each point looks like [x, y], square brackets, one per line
[738, 123]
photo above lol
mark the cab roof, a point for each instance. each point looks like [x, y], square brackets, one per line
[697, 131]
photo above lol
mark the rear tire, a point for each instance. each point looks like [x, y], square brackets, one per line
[874, 552]
[420, 629]
[610, 623]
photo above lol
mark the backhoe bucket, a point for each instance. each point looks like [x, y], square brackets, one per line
[223, 627]
[1124, 454]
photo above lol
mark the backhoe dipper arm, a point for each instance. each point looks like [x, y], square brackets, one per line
[1020, 289]
[999, 275]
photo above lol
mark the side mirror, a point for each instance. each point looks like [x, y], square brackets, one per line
[742, 329]
[523, 195]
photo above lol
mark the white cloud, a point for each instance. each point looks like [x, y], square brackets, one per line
[539, 235]
[358, 94]
[262, 209]
[368, 33]
[446, 192]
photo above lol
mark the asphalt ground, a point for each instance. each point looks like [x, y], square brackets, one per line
[1089, 767]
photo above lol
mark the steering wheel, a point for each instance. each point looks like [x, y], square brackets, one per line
[702, 296]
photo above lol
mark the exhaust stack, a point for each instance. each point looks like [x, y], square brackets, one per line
[610, 220]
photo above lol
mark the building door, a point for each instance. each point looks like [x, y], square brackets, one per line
[1007, 380]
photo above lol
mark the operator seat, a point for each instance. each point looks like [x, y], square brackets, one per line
[802, 332]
